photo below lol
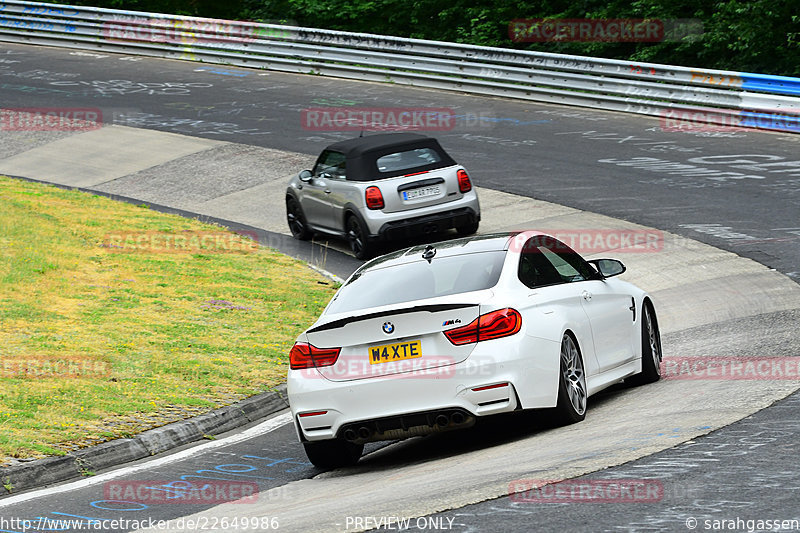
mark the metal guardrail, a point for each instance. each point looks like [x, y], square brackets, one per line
[674, 93]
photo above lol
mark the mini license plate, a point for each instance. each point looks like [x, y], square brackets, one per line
[395, 352]
[422, 192]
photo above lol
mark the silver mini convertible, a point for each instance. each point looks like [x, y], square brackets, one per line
[382, 187]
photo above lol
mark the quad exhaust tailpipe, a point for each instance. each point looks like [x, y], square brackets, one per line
[405, 426]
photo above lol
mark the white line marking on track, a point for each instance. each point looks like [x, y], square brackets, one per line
[264, 427]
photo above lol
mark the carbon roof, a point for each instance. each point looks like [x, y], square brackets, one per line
[485, 242]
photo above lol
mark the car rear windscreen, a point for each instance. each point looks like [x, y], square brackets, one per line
[418, 280]
[408, 160]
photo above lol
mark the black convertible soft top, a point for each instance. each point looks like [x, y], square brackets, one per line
[362, 153]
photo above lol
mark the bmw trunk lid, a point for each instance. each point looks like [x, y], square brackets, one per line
[382, 342]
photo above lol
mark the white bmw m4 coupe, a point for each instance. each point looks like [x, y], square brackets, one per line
[429, 338]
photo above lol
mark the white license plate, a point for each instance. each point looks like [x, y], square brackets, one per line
[422, 192]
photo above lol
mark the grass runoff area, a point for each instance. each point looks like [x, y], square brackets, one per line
[115, 319]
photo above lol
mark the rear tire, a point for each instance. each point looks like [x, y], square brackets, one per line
[357, 238]
[333, 453]
[469, 229]
[651, 349]
[296, 220]
[572, 391]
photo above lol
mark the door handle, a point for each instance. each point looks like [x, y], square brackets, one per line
[327, 191]
[587, 295]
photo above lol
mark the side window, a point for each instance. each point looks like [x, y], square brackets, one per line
[332, 163]
[565, 270]
[547, 261]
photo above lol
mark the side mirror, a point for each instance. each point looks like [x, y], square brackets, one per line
[305, 176]
[608, 267]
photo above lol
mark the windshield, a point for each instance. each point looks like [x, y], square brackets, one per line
[419, 280]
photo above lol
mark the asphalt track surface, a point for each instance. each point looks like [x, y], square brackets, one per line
[740, 194]
[739, 191]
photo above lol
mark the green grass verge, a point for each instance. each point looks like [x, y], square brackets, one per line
[99, 342]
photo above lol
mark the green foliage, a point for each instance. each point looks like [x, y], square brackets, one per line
[754, 36]
[230, 9]
[748, 35]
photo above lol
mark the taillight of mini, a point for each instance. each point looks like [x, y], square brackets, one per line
[374, 198]
[494, 325]
[304, 355]
[464, 185]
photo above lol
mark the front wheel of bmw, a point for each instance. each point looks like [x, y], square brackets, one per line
[651, 349]
[572, 391]
[333, 453]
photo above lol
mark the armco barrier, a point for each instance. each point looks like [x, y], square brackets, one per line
[749, 100]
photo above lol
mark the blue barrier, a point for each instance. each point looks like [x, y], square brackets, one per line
[770, 84]
[770, 121]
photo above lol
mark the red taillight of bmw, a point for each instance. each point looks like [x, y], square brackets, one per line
[374, 198]
[304, 355]
[464, 185]
[494, 325]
